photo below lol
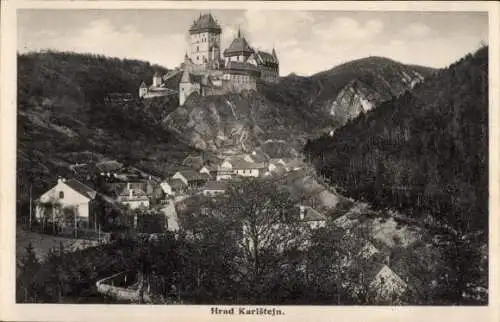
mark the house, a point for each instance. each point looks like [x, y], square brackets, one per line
[275, 168]
[311, 217]
[225, 170]
[191, 178]
[213, 188]
[109, 166]
[378, 280]
[69, 201]
[173, 187]
[133, 197]
[193, 161]
[293, 165]
[209, 169]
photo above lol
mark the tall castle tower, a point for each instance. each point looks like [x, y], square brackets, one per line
[204, 42]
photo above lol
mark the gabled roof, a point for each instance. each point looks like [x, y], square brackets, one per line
[265, 58]
[215, 185]
[239, 163]
[132, 194]
[205, 23]
[192, 175]
[175, 184]
[107, 166]
[143, 85]
[81, 188]
[238, 46]
[312, 214]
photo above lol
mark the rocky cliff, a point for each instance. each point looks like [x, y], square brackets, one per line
[358, 86]
[236, 122]
[295, 109]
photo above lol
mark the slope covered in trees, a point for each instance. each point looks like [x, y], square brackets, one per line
[425, 152]
[63, 117]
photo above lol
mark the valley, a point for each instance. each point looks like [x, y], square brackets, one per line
[349, 153]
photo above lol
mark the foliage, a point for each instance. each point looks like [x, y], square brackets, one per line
[425, 154]
[62, 115]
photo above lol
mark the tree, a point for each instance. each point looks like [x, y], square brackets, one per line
[28, 267]
[264, 228]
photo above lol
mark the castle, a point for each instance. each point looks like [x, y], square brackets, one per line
[207, 70]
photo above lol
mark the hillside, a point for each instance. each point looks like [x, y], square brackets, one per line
[63, 119]
[293, 110]
[424, 153]
[344, 91]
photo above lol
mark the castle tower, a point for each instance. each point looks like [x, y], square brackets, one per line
[156, 80]
[204, 41]
[187, 86]
[239, 50]
[143, 89]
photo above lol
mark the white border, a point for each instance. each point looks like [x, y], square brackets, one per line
[52, 312]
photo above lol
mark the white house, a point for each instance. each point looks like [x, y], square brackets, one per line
[173, 186]
[133, 197]
[213, 188]
[191, 178]
[225, 170]
[68, 194]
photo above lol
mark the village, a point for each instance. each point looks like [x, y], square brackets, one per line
[105, 199]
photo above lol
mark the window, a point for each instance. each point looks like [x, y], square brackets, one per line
[197, 48]
[61, 194]
[197, 58]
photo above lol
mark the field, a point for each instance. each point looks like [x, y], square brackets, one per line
[42, 243]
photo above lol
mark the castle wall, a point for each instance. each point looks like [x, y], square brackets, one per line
[186, 89]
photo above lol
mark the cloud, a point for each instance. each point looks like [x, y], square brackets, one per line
[100, 36]
[348, 29]
[416, 29]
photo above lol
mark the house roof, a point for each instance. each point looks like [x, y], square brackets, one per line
[238, 46]
[191, 175]
[240, 163]
[312, 215]
[107, 166]
[143, 85]
[215, 185]
[175, 184]
[137, 194]
[81, 188]
[204, 23]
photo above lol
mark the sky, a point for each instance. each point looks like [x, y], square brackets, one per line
[306, 42]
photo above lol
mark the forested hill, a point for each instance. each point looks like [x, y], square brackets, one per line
[425, 152]
[63, 117]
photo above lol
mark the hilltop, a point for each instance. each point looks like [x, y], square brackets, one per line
[424, 152]
[293, 110]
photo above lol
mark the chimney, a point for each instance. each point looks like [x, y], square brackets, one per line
[302, 212]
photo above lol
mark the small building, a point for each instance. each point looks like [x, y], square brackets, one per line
[311, 217]
[381, 284]
[191, 178]
[225, 171]
[243, 168]
[209, 170]
[67, 203]
[108, 166]
[133, 197]
[173, 187]
[214, 188]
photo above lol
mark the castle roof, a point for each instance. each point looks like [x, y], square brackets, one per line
[143, 85]
[205, 23]
[238, 46]
[266, 58]
[236, 66]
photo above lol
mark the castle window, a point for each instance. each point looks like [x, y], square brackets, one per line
[197, 48]
[61, 194]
